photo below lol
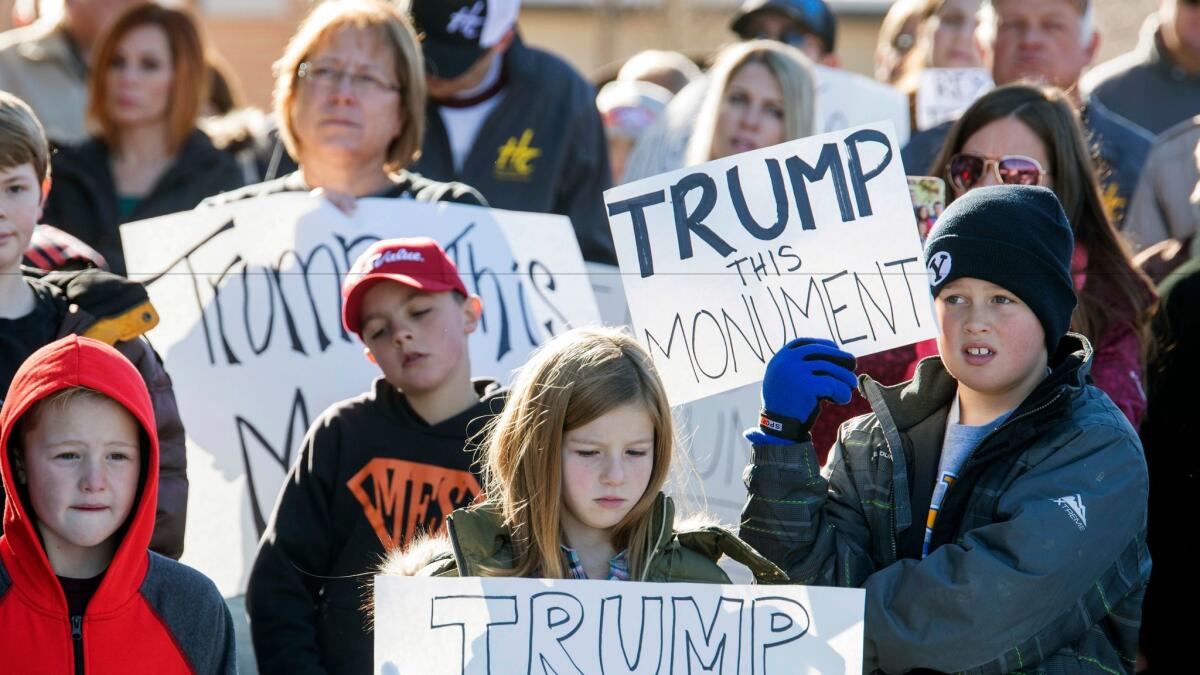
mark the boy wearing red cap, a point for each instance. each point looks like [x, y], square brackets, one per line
[374, 470]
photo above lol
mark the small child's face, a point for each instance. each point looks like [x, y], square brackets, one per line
[20, 210]
[989, 340]
[606, 467]
[418, 339]
[82, 465]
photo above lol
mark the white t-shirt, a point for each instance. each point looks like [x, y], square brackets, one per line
[463, 124]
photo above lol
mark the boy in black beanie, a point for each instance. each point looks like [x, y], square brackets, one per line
[994, 507]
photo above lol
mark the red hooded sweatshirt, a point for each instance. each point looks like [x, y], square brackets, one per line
[149, 614]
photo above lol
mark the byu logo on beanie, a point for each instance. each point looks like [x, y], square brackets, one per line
[939, 267]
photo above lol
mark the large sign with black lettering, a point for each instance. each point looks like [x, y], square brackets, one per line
[477, 626]
[726, 262]
[251, 333]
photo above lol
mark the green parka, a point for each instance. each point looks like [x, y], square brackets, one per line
[478, 539]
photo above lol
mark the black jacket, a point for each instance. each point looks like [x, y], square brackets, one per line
[83, 199]
[542, 148]
[371, 474]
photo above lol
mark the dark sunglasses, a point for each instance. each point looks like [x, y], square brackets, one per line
[966, 169]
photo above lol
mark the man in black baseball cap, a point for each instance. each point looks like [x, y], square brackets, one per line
[808, 25]
[518, 124]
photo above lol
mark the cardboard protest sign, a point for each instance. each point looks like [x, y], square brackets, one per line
[251, 333]
[478, 625]
[943, 94]
[726, 262]
[846, 99]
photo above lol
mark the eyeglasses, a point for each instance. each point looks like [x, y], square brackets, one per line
[966, 169]
[328, 77]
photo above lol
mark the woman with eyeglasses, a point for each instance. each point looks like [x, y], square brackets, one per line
[147, 158]
[1027, 135]
[350, 104]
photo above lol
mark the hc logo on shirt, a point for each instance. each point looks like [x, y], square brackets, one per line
[467, 22]
[515, 159]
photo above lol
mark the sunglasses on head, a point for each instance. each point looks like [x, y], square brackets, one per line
[966, 169]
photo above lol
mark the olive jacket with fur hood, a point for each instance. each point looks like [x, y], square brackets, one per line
[478, 538]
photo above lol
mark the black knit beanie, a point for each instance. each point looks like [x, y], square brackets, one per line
[1015, 236]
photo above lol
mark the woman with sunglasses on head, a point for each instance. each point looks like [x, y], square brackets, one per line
[1028, 135]
[350, 104]
[147, 158]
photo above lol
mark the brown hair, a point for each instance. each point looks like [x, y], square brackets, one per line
[393, 29]
[574, 379]
[1116, 290]
[189, 79]
[22, 139]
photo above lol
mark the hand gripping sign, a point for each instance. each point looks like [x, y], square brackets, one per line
[485, 626]
[251, 333]
[724, 263]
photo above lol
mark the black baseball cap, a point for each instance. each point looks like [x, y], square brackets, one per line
[457, 33]
[814, 15]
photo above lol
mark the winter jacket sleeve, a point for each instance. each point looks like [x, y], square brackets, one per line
[1052, 556]
[812, 527]
[1145, 223]
[298, 546]
[1117, 371]
[171, 514]
[580, 192]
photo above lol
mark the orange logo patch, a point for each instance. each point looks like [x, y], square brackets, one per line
[401, 498]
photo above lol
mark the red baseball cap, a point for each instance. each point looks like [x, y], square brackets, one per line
[417, 262]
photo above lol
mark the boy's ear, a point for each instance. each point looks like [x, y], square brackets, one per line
[370, 357]
[46, 183]
[472, 311]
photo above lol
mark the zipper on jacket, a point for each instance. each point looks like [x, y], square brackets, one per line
[653, 549]
[993, 432]
[77, 642]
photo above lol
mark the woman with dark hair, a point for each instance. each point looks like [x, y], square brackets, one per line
[1032, 135]
[147, 158]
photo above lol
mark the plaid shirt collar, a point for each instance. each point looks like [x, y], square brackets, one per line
[618, 565]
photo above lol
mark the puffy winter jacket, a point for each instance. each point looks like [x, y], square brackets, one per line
[477, 538]
[149, 614]
[1038, 561]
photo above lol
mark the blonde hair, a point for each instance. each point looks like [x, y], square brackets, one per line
[791, 68]
[574, 379]
[22, 139]
[393, 29]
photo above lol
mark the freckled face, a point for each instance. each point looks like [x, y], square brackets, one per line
[606, 467]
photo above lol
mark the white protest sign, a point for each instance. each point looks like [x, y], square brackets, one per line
[251, 333]
[846, 99]
[452, 626]
[726, 262]
[944, 94]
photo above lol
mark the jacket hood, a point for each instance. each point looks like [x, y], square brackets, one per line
[76, 361]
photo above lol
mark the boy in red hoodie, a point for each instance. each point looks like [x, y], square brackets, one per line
[79, 589]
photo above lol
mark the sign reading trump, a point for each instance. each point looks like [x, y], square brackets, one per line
[726, 262]
[479, 626]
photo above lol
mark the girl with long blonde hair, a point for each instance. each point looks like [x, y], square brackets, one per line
[574, 468]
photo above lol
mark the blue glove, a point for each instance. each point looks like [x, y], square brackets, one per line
[798, 377]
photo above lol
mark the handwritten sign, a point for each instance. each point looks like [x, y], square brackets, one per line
[495, 625]
[726, 262]
[846, 99]
[251, 332]
[944, 94]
